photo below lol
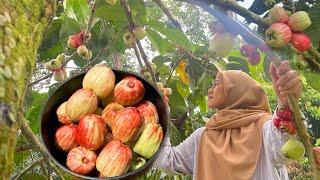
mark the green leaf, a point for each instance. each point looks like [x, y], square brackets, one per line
[237, 63]
[138, 10]
[69, 27]
[112, 13]
[312, 79]
[176, 36]
[161, 45]
[176, 102]
[313, 30]
[160, 61]
[176, 137]
[77, 10]
[34, 110]
[51, 45]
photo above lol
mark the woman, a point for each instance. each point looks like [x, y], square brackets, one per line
[240, 141]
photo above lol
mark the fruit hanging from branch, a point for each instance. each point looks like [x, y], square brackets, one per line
[299, 21]
[278, 15]
[221, 44]
[81, 160]
[101, 80]
[127, 124]
[53, 65]
[149, 141]
[300, 41]
[80, 104]
[76, 40]
[59, 75]
[65, 137]
[129, 91]
[293, 149]
[278, 35]
[91, 132]
[128, 39]
[139, 32]
[82, 50]
[114, 159]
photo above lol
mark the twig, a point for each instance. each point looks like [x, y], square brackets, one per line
[49, 75]
[27, 132]
[24, 147]
[34, 163]
[314, 51]
[93, 10]
[181, 120]
[136, 51]
[166, 11]
[131, 27]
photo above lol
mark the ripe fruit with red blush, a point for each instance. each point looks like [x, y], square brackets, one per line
[91, 132]
[129, 91]
[65, 137]
[301, 41]
[81, 160]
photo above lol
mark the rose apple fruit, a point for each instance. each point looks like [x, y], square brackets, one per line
[139, 32]
[81, 160]
[58, 75]
[299, 21]
[114, 159]
[149, 141]
[127, 124]
[81, 103]
[65, 137]
[278, 35]
[110, 112]
[62, 115]
[129, 91]
[100, 79]
[278, 15]
[148, 112]
[293, 149]
[300, 41]
[316, 153]
[222, 44]
[91, 132]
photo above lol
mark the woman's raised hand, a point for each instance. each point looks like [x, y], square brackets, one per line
[285, 81]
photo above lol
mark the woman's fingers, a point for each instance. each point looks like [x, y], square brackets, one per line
[283, 68]
[286, 78]
[290, 84]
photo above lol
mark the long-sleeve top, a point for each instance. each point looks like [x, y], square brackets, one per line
[270, 166]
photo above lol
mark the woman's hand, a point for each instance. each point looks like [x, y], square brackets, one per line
[285, 81]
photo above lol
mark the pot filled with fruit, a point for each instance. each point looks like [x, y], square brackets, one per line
[105, 123]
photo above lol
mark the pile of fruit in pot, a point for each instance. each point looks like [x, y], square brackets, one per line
[113, 140]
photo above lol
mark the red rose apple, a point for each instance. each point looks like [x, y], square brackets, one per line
[81, 160]
[91, 132]
[65, 137]
[148, 112]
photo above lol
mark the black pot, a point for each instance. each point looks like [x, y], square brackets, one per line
[50, 123]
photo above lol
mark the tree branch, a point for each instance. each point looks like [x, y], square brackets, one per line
[24, 147]
[136, 51]
[131, 27]
[27, 132]
[166, 11]
[34, 163]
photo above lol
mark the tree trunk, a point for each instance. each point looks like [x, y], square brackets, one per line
[22, 23]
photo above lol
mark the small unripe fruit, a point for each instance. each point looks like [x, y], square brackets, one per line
[60, 58]
[167, 92]
[278, 15]
[139, 32]
[88, 56]
[52, 65]
[159, 85]
[128, 38]
[58, 75]
[82, 51]
[293, 149]
[299, 21]
[221, 44]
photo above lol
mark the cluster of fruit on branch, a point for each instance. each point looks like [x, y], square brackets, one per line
[108, 142]
[288, 29]
[293, 148]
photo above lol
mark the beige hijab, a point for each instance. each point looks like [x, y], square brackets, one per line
[230, 145]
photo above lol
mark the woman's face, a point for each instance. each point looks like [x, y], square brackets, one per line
[216, 94]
